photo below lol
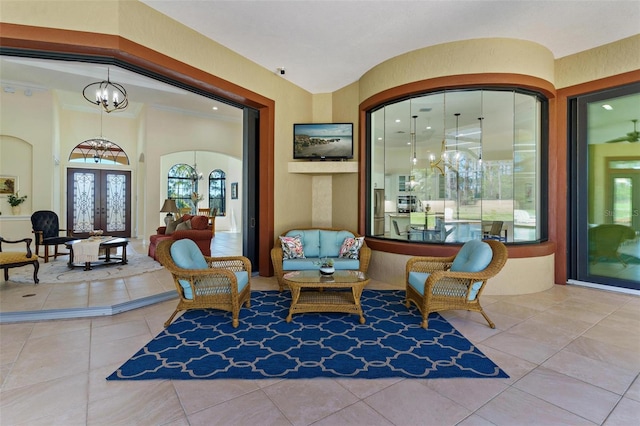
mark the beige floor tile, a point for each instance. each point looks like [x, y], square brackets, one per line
[353, 415]
[521, 346]
[363, 388]
[625, 338]
[515, 407]
[155, 404]
[66, 354]
[410, 402]
[597, 373]
[514, 366]
[548, 335]
[51, 399]
[627, 412]
[512, 310]
[117, 351]
[196, 395]
[305, 401]
[634, 390]
[576, 396]
[475, 420]
[606, 352]
[117, 331]
[251, 409]
[476, 392]
[576, 312]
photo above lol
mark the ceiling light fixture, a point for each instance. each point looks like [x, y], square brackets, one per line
[607, 107]
[111, 96]
[195, 175]
[413, 139]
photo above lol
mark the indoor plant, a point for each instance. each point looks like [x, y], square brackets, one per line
[326, 266]
[15, 200]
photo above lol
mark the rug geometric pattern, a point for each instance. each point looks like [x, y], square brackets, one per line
[202, 344]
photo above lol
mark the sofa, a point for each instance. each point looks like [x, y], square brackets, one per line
[305, 248]
[195, 228]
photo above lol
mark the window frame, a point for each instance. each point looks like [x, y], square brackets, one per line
[541, 167]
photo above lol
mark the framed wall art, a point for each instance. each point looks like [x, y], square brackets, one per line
[8, 185]
[234, 191]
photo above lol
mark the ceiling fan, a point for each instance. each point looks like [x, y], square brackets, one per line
[631, 137]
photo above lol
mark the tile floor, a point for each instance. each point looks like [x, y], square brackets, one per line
[572, 354]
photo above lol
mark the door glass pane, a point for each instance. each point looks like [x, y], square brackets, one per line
[83, 202]
[612, 227]
[116, 202]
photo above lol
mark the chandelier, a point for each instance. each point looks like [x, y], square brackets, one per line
[111, 96]
[442, 160]
[195, 175]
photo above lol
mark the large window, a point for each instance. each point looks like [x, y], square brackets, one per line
[217, 191]
[456, 165]
[181, 185]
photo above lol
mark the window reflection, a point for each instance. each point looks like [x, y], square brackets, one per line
[453, 164]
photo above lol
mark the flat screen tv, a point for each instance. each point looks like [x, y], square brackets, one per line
[322, 141]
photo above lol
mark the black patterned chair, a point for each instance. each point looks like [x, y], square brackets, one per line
[15, 259]
[47, 230]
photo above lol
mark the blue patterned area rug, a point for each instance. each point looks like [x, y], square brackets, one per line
[202, 344]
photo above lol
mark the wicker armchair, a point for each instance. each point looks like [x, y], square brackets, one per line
[218, 282]
[15, 259]
[364, 255]
[432, 286]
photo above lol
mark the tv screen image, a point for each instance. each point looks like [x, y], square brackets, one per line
[322, 141]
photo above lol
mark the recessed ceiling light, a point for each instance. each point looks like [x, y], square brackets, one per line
[215, 108]
[607, 107]
[397, 120]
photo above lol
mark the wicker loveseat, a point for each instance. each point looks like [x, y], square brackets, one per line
[320, 243]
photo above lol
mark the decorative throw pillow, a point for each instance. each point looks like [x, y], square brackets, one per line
[292, 247]
[184, 226]
[171, 226]
[351, 248]
[199, 222]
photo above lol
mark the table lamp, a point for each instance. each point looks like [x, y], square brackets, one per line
[169, 207]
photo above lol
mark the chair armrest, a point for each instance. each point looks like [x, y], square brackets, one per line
[161, 230]
[24, 240]
[276, 260]
[192, 234]
[364, 256]
[232, 263]
[429, 264]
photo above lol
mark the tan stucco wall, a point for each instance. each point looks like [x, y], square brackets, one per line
[487, 55]
[600, 62]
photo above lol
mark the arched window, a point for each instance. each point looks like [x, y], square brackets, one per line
[217, 191]
[181, 184]
[454, 165]
[98, 150]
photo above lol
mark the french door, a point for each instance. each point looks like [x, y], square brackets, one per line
[99, 199]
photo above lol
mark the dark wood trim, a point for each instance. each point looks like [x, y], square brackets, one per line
[450, 82]
[559, 192]
[42, 41]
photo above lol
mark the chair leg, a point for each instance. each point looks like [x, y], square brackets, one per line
[6, 274]
[46, 254]
[36, 267]
[173, 315]
[491, 324]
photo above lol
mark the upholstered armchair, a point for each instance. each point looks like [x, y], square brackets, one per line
[456, 282]
[14, 259]
[47, 231]
[605, 240]
[205, 282]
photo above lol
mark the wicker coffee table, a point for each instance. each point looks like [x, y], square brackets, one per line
[313, 292]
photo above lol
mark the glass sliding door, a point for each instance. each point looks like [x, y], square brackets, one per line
[605, 201]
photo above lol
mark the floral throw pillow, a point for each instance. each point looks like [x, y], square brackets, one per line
[292, 247]
[351, 247]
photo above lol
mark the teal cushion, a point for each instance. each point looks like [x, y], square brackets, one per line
[474, 256]
[417, 280]
[243, 279]
[186, 255]
[331, 242]
[310, 241]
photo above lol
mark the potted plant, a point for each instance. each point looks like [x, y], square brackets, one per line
[15, 200]
[326, 266]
